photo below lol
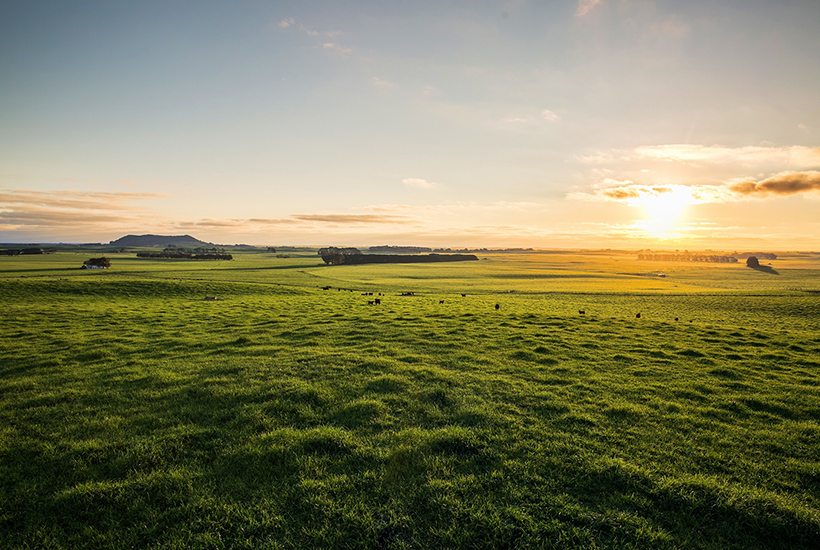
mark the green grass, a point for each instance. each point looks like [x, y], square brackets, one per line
[134, 414]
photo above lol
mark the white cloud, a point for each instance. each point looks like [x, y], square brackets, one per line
[545, 115]
[585, 6]
[291, 22]
[430, 90]
[550, 116]
[420, 183]
[382, 83]
[336, 47]
[517, 120]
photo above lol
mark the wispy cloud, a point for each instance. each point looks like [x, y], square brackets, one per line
[44, 217]
[232, 223]
[64, 212]
[550, 116]
[532, 118]
[336, 47]
[633, 194]
[420, 183]
[669, 27]
[291, 22]
[69, 199]
[382, 83]
[585, 6]
[782, 184]
[458, 207]
[430, 91]
[796, 156]
[713, 174]
[353, 218]
[779, 185]
[294, 220]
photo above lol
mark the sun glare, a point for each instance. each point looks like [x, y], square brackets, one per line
[664, 210]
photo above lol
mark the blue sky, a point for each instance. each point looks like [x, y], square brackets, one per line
[611, 123]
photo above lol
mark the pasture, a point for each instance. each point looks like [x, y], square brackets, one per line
[134, 414]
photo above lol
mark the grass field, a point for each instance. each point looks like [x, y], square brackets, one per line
[133, 414]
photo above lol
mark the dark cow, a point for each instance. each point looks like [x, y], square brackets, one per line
[378, 301]
[582, 312]
[441, 301]
[676, 318]
[370, 302]
[463, 295]
[638, 316]
[497, 306]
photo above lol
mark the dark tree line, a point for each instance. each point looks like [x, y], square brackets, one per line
[353, 256]
[25, 251]
[689, 258]
[336, 256]
[179, 253]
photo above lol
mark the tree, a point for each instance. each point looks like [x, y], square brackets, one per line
[336, 256]
[752, 262]
[98, 262]
[333, 257]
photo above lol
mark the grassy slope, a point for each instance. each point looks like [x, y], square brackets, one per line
[134, 414]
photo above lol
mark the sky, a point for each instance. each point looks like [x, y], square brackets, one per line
[548, 124]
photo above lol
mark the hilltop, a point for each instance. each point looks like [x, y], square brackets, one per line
[158, 240]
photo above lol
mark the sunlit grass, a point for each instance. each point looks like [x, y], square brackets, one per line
[134, 414]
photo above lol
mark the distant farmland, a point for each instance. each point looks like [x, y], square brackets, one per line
[290, 413]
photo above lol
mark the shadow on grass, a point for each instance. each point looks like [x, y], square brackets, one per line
[696, 513]
[765, 269]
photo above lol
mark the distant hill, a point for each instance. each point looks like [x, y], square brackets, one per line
[158, 240]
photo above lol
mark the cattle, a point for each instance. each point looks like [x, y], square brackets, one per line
[378, 301]
[370, 302]
[582, 312]
[676, 318]
[441, 301]
[497, 307]
[463, 295]
[638, 316]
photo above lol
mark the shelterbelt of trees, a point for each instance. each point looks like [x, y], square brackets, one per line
[687, 256]
[667, 257]
[353, 256]
[185, 254]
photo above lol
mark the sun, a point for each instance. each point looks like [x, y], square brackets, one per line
[667, 205]
[665, 208]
